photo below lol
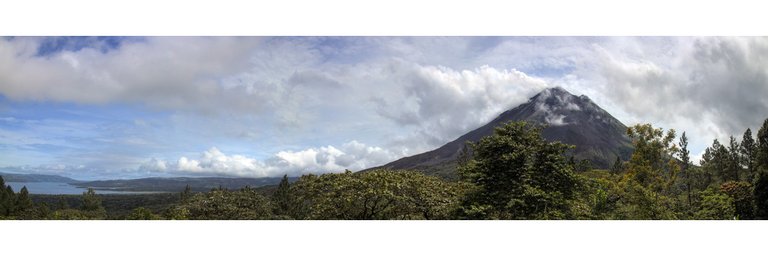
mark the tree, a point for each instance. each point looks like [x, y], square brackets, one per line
[281, 197]
[762, 147]
[749, 154]
[518, 175]
[9, 202]
[92, 207]
[716, 161]
[62, 203]
[377, 194]
[5, 199]
[651, 164]
[760, 192]
[741, 195]
[186, 194]
[685, 163]
[706, 163]
[23, 202]
[646, 188]
[715, 206]
[734, 160]
[142, 213]
[617, 166]
[222, 204]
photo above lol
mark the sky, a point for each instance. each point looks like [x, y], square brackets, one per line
[127, 107]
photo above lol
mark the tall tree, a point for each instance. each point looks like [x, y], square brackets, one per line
[651, 164]
[23, 202]
[706, 164]
[281, 197]
[749, 154]
[518, 175]
[760, 192]
[717, 162]
[646, 187]
[5, 199]
[186, 194]
[10, 202]
[92, 207]
[762, 147]
[734, 160]
[685, 160]
[617, 166]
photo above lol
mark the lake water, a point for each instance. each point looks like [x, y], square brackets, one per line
[59, 188]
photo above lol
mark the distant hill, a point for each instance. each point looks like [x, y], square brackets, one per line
[17, 177]
[177, 184]
[575, 120]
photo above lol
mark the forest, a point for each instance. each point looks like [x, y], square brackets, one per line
[513, 174]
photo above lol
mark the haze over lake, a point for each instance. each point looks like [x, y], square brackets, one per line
[60, 188]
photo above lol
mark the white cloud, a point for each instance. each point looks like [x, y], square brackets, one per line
[352, 155]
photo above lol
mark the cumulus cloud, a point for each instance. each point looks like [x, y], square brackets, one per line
[352, 155]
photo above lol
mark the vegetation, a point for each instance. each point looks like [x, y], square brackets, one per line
[516, 174]
[512, 174]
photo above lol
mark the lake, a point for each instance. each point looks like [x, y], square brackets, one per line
[60, 188]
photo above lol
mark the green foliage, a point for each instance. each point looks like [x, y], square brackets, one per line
[618, 166]
[23, 202]
[651, 165]
[762, 147]
[281, 198]
[646, 190]
[6, 199]
[186, 194]
[685, 168]
[70, 214]
[639, 202]
[749, 154]
[92, 207]
[715, 206]
[734, 169]
[379, 194]
[597, 198]
[741, 194]
[177, 213]
[142, 213]
[760, 193]
[221, 204]
[518, 175]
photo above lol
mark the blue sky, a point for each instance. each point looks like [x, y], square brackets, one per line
[123, 107]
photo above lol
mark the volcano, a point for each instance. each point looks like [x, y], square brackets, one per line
[575, 120]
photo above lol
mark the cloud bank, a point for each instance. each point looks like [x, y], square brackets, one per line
[351, 155]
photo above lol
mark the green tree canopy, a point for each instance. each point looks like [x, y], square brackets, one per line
[518, 175]
[142, 213]
[378, 194]
[281, 198]
[646, 188]
[222, 204]
[92, 207]
[749, 154]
